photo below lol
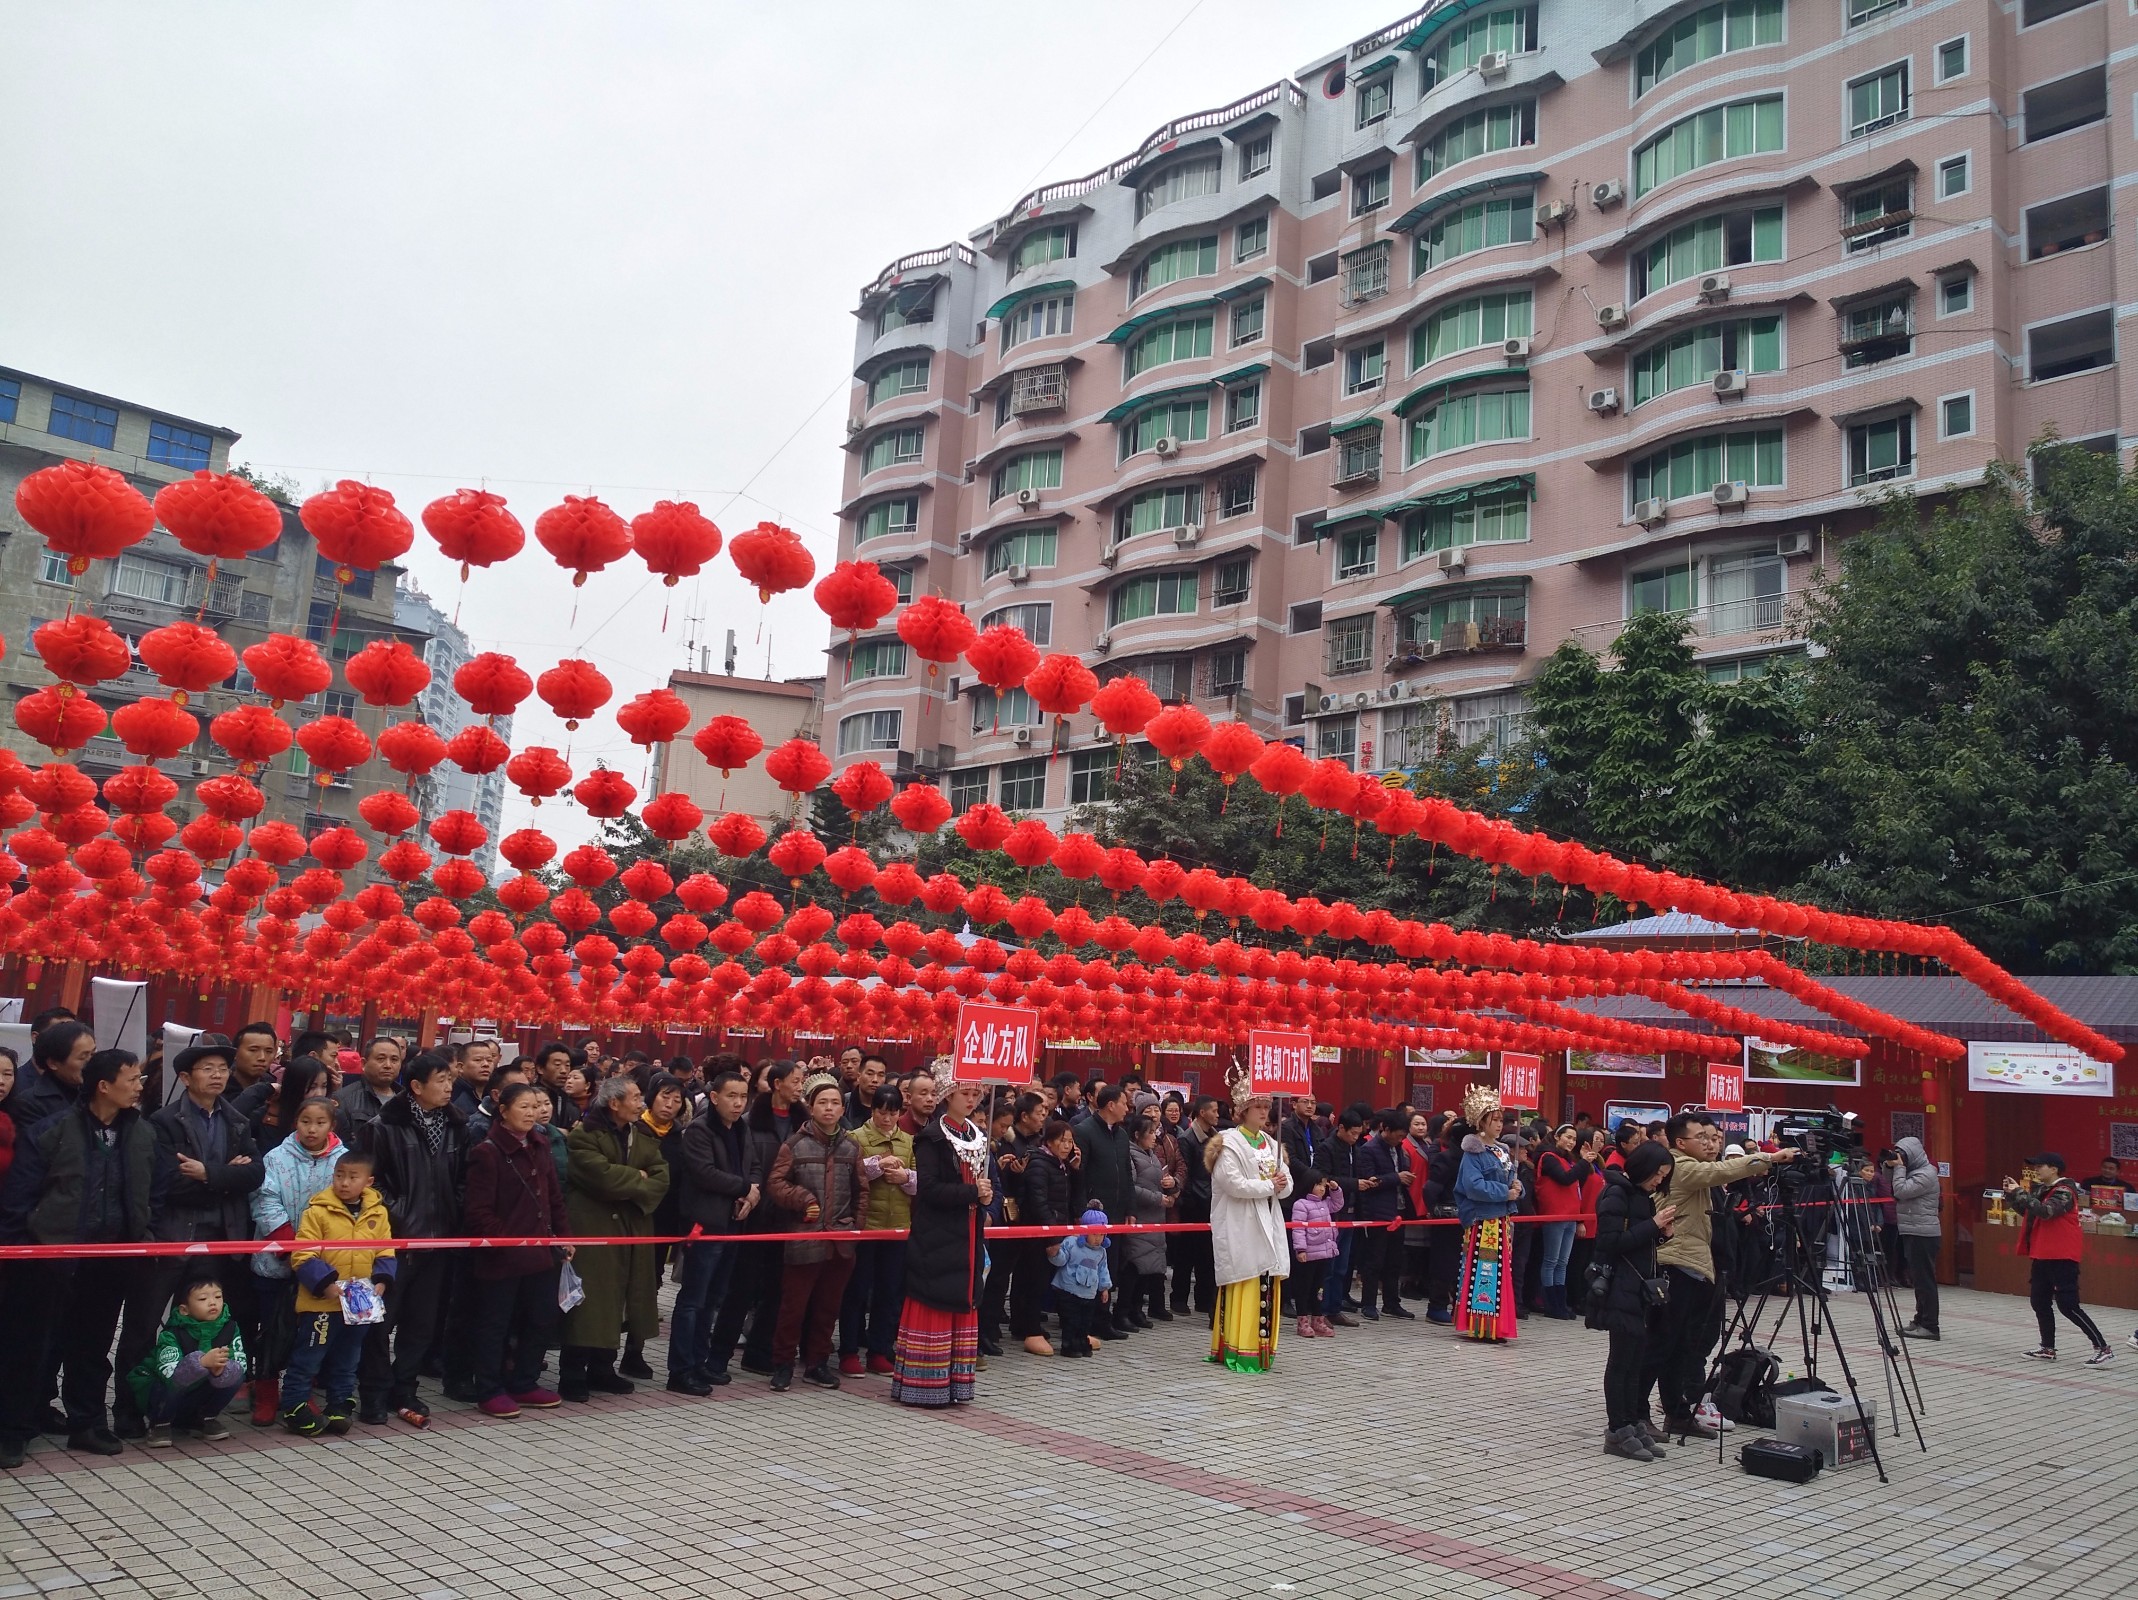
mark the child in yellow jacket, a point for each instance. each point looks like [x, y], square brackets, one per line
[350, 1209]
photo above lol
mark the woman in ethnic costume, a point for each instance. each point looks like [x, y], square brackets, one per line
[1248, 1177]
[946, 1255]
[1486, 1189]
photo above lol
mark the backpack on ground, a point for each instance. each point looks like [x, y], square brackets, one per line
[1744, 1385]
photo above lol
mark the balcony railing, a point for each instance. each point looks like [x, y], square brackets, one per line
[1723, 619]
[1366, 276]
[1039, 389]
[957, 250]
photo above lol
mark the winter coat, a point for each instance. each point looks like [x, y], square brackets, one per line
[710, 1178]
[174, 1361]
[1375, 1158]
[1080, 1266]
[1247, 1235]
[615, 1185]
[1482, 1180]
[38, 1094]
[668, 1215]
[50, 1189]
[1688, 1248]
[1317, 1240]
[354, 1106]
[1047, 1201]
[1195, 1177]
[289, 1176]
[1559, 1182]
[421, 1186]
[1440, 1174]
[513, 1192]
[1626, 1236]
[1307, 1153]
[2050, 1231]
[1915, 1192]
[1146, 1252]
[7, 1146]
[1339, 1163]
[889, 1204]
[1103, 1179]
[1591, 1192]
[946, 1252]
[327, 1221]
[218, 1205]
[556, 1135]
[813, 1170]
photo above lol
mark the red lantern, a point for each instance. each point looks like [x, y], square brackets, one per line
[522, 895]
[672, 817]
[492, 684]
[472, 527]
[339, 848]
[735, 835]
[984, 826]
[937, 631]
[475, 749]
[702, 892]
[1079, 855]
[574, 689]
[1030, 844]
[856, 596]
[604, 793]
[222, 518]
[357, 527]
[59, 718]
[81, 649]
[538, 772]
[231, 798]
[1177, 733]
[388, 811]
[652, 718]
[674, 540]
[920, 808]
[134, 790]
[862, 787]
[727, 743]
[210, 838]
[410, 747]
[582, 535]
[772, 558]
[187, 657]
[1329, 783]
[1232, 748]
[404, 861]
[1125, 706]
[86, 512]
[526, 849]
[459, 833]
[1002, 657]
[155, 730]
[458, 878]
[387, 672]
[287, 668]
[797, 766]
[334, 744]
[589, 866]
[850, 869]
[1061, 685]
[796, 854]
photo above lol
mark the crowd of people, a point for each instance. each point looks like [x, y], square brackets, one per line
[744, 1185]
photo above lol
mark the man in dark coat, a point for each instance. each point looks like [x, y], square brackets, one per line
[59, 1054]
[720, 1185]
[1104, 1181]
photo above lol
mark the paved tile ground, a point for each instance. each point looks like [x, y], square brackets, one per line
[1391, 1461]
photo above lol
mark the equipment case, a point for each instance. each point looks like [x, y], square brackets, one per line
[1771, 1458]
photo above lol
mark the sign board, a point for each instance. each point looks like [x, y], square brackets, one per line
[1521, 1081]
[1457, 1060]
[1280, 1062]
[1617, 1111]
[1725, 1086]
[2037, 1069]
[1072, 1044]
[1328, 1055]
[1612, 1064]
[1183, 1047]
[1785, 1063]
[996, 1044]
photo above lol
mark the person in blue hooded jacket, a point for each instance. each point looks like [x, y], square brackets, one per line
[1486, 1191]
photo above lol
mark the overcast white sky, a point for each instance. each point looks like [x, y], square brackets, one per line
[554, 248]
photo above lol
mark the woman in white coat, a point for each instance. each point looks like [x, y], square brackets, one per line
[1248, 1177]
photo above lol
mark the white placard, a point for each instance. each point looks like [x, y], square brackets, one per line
[118, 1015]
[176, 1037]
[2037, 1069]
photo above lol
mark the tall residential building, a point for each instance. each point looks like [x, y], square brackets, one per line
[286, 588]
[445, 650]
[1340, 407]
[779, 709]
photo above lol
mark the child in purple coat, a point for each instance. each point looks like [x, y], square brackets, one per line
[1313, 1248]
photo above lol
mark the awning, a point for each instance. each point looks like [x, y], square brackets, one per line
[1465, 492]
[1461, 192]
[1355, 425]
[1156, 397]
[1247, 286]
[1435, 590]
[1438, 389]
[1240, 374]
[1385, 64]
[910, 296]
[1345, 519]
[1443, 14]
[1010, 301]
[1136, 324]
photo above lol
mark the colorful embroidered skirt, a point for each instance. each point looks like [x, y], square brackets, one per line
[1243, 1331]
[933, 1360]
[1484, 1306]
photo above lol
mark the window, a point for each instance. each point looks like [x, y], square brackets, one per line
[54, 570]
[1376, 98]
[1041, 245]
[143, 578]
[1481, 225]
[1091, 776]
[1878, 100]
[1358, 454]
[1511, 30]
[1881, 450]
[1952, 59]
[1471, 324]
[1956, 416]
[1358, 551]
[1953, 177]
[900, 377]
[1236, 493]
[1742, 344]
[1180, 420]
[10, 397]
[1013, 708]
[358, 584]
[1348, 643]
[338, 703]
[1226, 670]
[1256, 155]
[1228, 586]
[1500, 617]
[879, 658]
[1365, 366]
[2068, 103]
[1738, 25]
[1478, 416]
[1750, 669]
[1184, 180]
[1170, 263]
[868, 730]
[1695, 466]
[1172, 678]
[899, 446]
[1043, 318]
[1369, 191]
[1153, 509]
[901, 313]
[1243, 407]
[1042, 469]
[318, 620]
[888, 516]
[1021, 547]
[1720, 133]
[1024, 785]
[1247, 321]
[1338, 737]
[968, 788]
[178, 447]
[901, 580]
[1410, 734]
[1506, 127]
[1956, 293]
[1736, 239]
[1496, 518]
[2037, 11]
[1881, 212]
[2077, 344]
[83, 421]
[1305, 617]
[1366, 273]
[2071, 223]
[1877, 330]
[1170, 341]
[1250, 239]
[1862, 11]
[1035, 620]
[1159, 594]
[1744, 592]
[1493, 722]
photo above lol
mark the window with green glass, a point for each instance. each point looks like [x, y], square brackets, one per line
[1742, 344]
[1719, 133]
[1710, 244]
[1043, 244]
[1472, 324]
[896, 448]
[1024, 785]
[1482, 519]
[1478, 416]
[1507, 127]
[1695, 466]
[880, 658]
[1157, 594]
[1093, 775]
[868, 730]
[900, 377]
[1247, 321]
[1013, 708]
[1510, 30]
[902, 581]
[1878, 100]
[1243, 406]
[1881, 450]
[1706, 34]
[1184, 180]
[1185, 420]
[968, 788]
[1358, 551]
[1666, 589]
[1170, 263]
[1250, 239]
[1499, 615]
[902, 515]
[1021, 547]
[1170, 341]
[1153, 509]
[1034, 619]
[1042, 469]
[1481, 225]
[893, 317]
[1043, 318]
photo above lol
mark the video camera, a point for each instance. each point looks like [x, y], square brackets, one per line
[1821, 1135]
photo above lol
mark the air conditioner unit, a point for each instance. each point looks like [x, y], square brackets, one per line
[1167, 446]
[1734, 493]
[1027, 498]
[1729, 382]
[1021, 736]
[1603, 401]
[1515, 350]
[1017, 572]
[1109, 555]
[198, 769]
[1610, 318]
[1648, 513]
[1794, 544]
[930, 760]
[968, 537]
[854, 425]
[1715, 286]
[1608, 192]
[1492, 64]
[1396, 691]
[1455, 560]
[1332, 702]
[1187, 533]
[1553, 212]
[1362, 699]
[1429, 648]
[1104, 642]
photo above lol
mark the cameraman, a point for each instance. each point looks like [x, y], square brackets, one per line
[1914, 1177]
[1691, 1315]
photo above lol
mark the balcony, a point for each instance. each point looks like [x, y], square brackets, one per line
[1039, 389]
[1366, 275]
[2071, 223]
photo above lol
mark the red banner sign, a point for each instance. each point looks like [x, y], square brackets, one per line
[1521, 1081]
[996, 1044]
[1725, 1086]
[1280, 1062]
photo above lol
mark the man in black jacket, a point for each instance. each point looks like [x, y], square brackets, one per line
[1102, 1143]
[59, 1054]
[1048, 1202]
[1378, 1185]
[1194, 1265]
[357, 1103]
[1443, 1259]
[720, 1182]
[1337, 1156]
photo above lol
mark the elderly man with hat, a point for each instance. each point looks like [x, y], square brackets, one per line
[208, 1168]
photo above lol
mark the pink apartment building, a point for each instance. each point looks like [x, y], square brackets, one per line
[1340, 407]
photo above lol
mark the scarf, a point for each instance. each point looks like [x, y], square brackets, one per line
[431, 1124]
[660, 1129]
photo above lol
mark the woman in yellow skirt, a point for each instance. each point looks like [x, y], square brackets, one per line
[1248, 1177]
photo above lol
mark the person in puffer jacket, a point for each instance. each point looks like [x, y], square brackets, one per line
[1915, 1208]
[1313, 1248]
[291, 1173]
